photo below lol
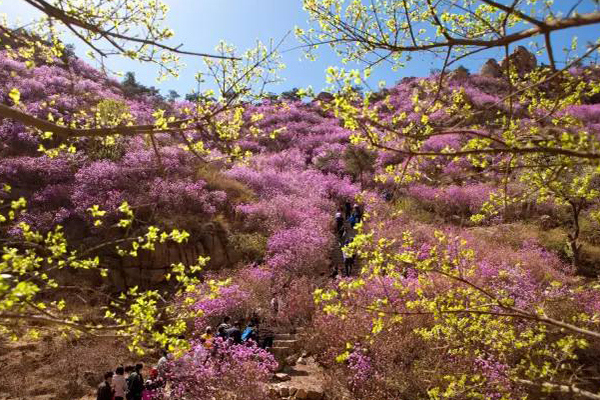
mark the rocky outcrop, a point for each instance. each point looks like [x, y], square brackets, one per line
[150, 267]
[522, 60]
[460, 73]
[325, 97]
[547, 222]
[491, 69]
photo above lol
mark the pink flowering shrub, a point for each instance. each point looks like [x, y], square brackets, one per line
[328, 158]
[224, 370]
[229, 300]
[513, 268]
[60, 190]
[298, 249]
[304, 127]
[295, 206]
[453, 199]
[297, 305]
[361, 366]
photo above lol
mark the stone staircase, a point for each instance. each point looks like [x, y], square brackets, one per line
[285, 345]
[299, 376]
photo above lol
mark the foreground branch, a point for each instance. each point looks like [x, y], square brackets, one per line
[65, 132]
[57, 321]
[553, 387]
[70, 21]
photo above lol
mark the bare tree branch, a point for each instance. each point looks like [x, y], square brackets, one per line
[70, 20]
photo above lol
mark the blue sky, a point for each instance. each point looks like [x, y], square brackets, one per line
[200, 24]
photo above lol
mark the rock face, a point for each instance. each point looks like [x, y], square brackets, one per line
[459, 73]
[522, 60]
[491, 69]
[302, 394]
[150, 267]
[91, 378]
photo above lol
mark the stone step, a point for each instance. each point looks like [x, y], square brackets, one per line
[284, 390]
[307, 393]
[284, 343]
[281, 350]
[285, 336]
[280, 353]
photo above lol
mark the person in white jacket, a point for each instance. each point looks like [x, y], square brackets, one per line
[119, 384]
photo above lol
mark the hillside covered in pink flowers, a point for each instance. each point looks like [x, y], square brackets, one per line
[461, 277]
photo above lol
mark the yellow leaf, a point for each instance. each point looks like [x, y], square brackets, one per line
[15, 96]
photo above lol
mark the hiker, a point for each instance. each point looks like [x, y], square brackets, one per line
[348, 261]
[225, 324]
[105, 390]
[348, 232]
[221, 333]
[356, 216]
[347, 209]
[135, 383]
[265, 337]
[358, 211]
[339, 224]
[128, 370]
[119, 383]
[207, 338]
[275, 305]
[334, 269]
[255, 318]
[250, 333]
[235, 332]
[163, 363]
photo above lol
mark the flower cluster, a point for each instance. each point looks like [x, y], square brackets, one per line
[205, 373]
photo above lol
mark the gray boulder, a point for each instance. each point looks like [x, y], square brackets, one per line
[522, 60]
[491, 69]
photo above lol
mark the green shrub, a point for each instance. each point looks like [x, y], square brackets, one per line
[251, 246]
[410, 207]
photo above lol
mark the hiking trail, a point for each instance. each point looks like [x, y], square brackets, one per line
[299, 377]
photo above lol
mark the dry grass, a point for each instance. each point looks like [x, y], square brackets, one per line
[236, 191]
[410, 207]
[56, 367]
[515, 234]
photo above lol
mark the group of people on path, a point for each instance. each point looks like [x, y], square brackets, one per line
[227, 331]
[127, 383]
[346, 218]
